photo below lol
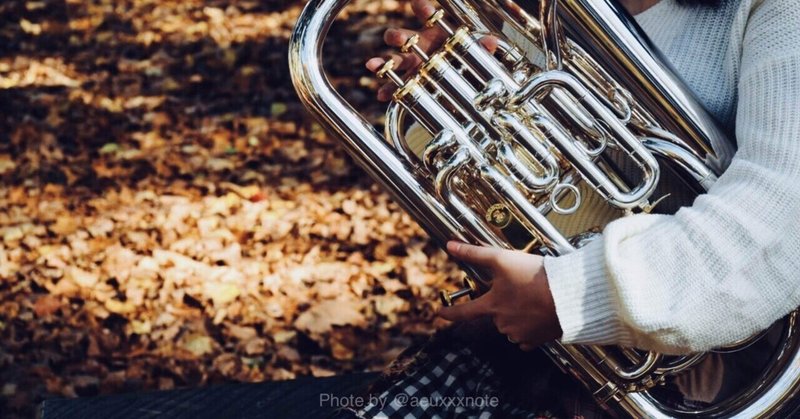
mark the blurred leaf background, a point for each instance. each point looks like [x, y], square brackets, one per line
[171, 217]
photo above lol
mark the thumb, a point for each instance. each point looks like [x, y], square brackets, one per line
[469, 310]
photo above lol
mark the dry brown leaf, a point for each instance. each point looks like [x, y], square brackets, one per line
[65, 225]
[283, 336]
[255, 346]
[389, 305]
[323, 316]
[46, 305]
[199, 345]
[221, 294]
[83, 278]
[318, 371]
[241, 332]
[289, 354]
[228, 364]
[119, 307]
[341, 352]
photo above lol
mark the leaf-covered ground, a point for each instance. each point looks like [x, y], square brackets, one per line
[170, 217]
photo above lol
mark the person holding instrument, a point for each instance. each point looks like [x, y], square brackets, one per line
[715, 272]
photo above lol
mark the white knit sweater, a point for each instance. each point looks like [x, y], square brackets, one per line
[729, 265]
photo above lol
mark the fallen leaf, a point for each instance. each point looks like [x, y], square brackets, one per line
[120, 307]
[255, 346]
[221, 294]
[288, 353]
[65, 225]
[284, 336]
[46, 305]
[317, 371]
[199, 345]
[83, 278]
[321, 317]
[341, 352]
[141, 327]
[12, 235]
[6, 164]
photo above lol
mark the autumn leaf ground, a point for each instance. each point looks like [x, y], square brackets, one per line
[170, 216]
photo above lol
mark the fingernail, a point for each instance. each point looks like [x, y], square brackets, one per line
[453, 246]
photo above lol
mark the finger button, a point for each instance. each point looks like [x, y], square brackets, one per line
[412, 44]
[470, 290]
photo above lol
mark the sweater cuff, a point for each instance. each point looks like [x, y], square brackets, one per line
[585, 304]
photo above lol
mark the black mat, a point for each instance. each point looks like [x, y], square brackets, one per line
[301, 398]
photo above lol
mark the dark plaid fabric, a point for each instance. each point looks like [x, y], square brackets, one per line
[472, 372]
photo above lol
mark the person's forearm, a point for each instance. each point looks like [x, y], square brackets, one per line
[715, 272]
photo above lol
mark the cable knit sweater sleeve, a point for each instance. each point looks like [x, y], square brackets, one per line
[729, 265]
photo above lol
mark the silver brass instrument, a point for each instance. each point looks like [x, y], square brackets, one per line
[574, 121]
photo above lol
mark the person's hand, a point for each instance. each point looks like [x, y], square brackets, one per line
[519, 300]
[429, 40]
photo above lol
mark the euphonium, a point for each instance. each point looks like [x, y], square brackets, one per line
[574, 121]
